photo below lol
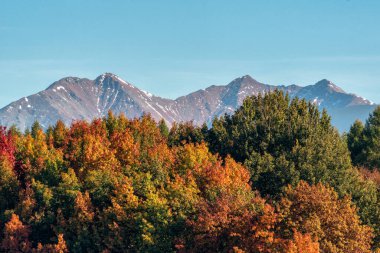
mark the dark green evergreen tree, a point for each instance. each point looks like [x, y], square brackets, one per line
[355, 142]
[186, 132]
[372, 140]
[282, 142]
[364, 142]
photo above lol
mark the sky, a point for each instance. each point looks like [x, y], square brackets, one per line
[171, 48]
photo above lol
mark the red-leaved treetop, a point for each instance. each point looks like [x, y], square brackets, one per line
[9, 184]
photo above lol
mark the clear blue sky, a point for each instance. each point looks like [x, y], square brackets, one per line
[171, 48]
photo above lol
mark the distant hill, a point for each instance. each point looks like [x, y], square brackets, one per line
[73, 98]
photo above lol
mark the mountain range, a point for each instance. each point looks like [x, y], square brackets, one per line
[73, 98]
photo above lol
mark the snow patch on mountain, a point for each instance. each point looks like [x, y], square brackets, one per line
[74, 98]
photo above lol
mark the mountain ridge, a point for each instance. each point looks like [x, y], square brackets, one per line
[73, 98]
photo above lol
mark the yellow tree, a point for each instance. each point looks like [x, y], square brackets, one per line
[317, 210]
[302, 243]
[228, 216]
[126, 149]
[88, 148]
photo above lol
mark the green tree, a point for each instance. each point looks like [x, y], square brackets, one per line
[281, 141]
[364, 141]
[186, 132]
[372, 140]
[36, 127]
[59, 134]
[164, 130]
[355, 141]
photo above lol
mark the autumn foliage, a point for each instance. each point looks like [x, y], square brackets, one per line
[316, 210]
[131, 185]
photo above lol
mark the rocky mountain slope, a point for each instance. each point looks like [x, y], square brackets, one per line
[74, 98]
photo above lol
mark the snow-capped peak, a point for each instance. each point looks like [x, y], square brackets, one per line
[100, 79]
[81, 98]
[324, 83]
[150, 95]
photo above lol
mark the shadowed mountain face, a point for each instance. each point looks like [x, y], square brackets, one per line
[74, 98]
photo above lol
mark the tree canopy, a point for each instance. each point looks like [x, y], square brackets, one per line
[273, 177]
[364, 141]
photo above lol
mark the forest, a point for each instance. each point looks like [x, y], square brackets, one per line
[275, 176]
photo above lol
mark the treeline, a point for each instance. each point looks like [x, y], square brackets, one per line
[273, 177]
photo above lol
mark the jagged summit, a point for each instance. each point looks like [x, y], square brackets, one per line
[109, 74]
[73, 98]
[246, 79]
[327, 84]
[109, 77]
